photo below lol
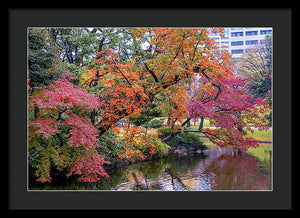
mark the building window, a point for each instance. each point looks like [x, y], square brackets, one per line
[265, 32]
[235, 43]
[251, 42]
[235, 34]
[251, 33]
[237, 51]
[224, 42]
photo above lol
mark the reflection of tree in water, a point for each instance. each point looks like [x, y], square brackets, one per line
[181, 165]
[117, 177]
[218, 171]
[148, 175]
[239, 172]
[182, 168]
[145, 175]
[143, 183]
[266, 163]
[153, 175]
[152, 170]
[176, 182]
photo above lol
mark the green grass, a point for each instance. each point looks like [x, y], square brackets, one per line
[264, 135]
[195, 126]
[207, 142]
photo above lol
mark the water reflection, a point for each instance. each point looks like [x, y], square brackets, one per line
[216, 169]
[237, 172]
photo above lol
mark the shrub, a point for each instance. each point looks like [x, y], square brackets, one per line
[155, 124]
[111, 146]
[189, 141]
[164, 131]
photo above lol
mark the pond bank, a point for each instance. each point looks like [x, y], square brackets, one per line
[215, 169]
[180, 152]
[263, 153]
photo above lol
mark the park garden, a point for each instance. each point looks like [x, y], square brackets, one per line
[147, 109]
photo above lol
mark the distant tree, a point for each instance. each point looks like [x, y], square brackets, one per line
[257, 64]
[42, 57]
[77, 45]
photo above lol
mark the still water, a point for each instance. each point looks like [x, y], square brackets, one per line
[215, 169]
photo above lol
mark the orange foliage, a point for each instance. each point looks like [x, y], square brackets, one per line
[140, 142]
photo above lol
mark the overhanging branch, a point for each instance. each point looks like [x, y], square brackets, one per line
[152, 73]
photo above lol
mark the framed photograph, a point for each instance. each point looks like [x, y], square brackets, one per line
[110, 109]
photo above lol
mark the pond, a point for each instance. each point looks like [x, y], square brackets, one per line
[214, 169]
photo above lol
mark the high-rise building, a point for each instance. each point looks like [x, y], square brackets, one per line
[239, 40]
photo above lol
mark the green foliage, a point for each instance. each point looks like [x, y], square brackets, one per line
[146, 116]
[164, 131]
[260, 86]
[41, 57]
[160, 147]
[61, 156]
[43, 167]
[34, 157]
[78, 45]
[30, 114]
[190, 141]
[123, 40]
[155, 123]
[257, 64]
[45, 57]
[111, 146]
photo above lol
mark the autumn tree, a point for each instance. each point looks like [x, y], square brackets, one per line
[130, 86]
[145, 68]
[233, 111]
[178, 55]
[61, 133]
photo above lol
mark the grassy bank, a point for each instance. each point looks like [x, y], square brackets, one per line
[265, 135]
[262, 152]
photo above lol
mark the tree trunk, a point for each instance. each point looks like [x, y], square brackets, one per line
[93, 117]
[188, 123]
[174, 134]
[36, 111]
[201, 124]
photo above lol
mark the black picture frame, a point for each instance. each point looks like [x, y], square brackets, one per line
[278, 199]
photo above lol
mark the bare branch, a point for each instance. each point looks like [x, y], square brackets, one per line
[152, 73]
